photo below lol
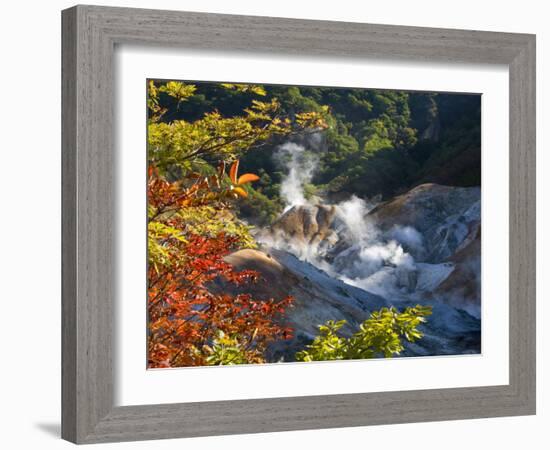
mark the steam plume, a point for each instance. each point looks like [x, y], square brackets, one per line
[300, 166]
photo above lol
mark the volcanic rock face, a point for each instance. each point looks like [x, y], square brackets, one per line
[317, 296]
[344, 261]
[446, 217]
[310, 225]
[462, 288]
[449, 221]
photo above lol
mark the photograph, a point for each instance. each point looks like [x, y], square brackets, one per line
[243, 225]
[304, 223]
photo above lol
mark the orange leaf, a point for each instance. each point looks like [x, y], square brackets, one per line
[240, 191]
[247, 178]
[233, 171]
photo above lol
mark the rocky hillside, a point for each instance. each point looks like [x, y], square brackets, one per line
[318, 297]
[343, 261]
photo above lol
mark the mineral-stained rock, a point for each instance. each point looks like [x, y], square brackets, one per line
[462, 288]
[317, 296]
[444, 215]
[309, 224]
[449, 220]
[422, 247]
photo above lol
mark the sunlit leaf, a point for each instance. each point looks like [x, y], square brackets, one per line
[233, 171]
[240, 191]
[247, 178]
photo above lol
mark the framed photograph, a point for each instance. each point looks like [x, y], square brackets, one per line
[268, 230]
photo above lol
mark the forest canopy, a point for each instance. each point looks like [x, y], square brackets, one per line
[374, 142]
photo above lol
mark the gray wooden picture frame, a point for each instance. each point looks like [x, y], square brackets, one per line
[90, 34]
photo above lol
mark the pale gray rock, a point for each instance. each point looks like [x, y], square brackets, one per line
[422, 247]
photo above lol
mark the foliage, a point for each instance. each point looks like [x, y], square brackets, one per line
[193, 184]
[253, 88]
[186, 255]
[396, 139]
[383, 142]
[379, 335]
[258, 207]
[226, 351]
[180, 91]
[208, 221]
[180, 143]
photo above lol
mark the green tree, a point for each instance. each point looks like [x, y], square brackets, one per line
[380, 335]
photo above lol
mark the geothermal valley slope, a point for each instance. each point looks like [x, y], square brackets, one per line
[342, 261]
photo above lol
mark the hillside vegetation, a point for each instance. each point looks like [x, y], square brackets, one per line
[376, 142]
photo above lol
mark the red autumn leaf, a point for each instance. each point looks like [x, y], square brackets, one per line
[233, 172]
[185, 314]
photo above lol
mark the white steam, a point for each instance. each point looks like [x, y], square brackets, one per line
[410, 238]
[301, 167]
[372, 253]
[355, 250]
[353, 213]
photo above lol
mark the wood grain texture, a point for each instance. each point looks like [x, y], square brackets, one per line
[68, 226]
[89, 36]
